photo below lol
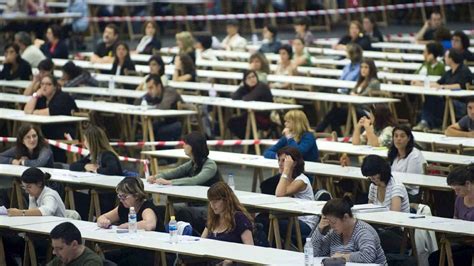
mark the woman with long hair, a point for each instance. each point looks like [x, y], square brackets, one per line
[259, 63]
[378, 127]
[184, 68]
[55, 46]
[15, 67]
[371, 29]
[185, 43]
[31, 149]
[123, 64]
[406, 158]
[301, 57]
[284, 66]
[200, 170]
[355, 34]
[149, 43]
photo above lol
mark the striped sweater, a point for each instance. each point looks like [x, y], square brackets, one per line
[364, 245]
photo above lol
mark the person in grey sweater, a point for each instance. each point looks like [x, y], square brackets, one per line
[200, 170]
[339, 234]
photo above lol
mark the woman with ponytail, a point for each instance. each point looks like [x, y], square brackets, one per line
[351, 239]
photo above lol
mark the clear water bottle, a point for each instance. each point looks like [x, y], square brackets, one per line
[132, 221]
[308, 253]
[173, 230]
[111, 83]
[230, 181]
[212, 92]
[144, 105]
[426, 82]
[254, 39]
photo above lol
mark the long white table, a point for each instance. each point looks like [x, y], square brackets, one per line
[442, 139]
[19, 115]
[20, 16]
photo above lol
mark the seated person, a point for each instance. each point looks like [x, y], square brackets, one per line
[366, 83]
[105, 50]
[461, 180]
[185, 44]
[251, 90]
[51, 100]
[203, 48]
[45, 67]
[30, 52]
[199, 171]
[378, 127]
[301, 57]
[123, 64]
[465, 126]
[301, 26]
[233, 41]
[284, 67]
[157, 67]
[460, 42]
[131, 194]
[67, 245]
[350, 238]
[165, 98]
[404, 157]
[426, 33]
[227, 218]
[389, 192]
[371, 29]
[443, 36]
[351, 71]
[355, 36]
[184, 68]
[75, 76]
[75, 28]
[259, 63]
[15, 67]
[271, 43]
[31, 149]
[54, 47]
[149, 43]
[454, 79]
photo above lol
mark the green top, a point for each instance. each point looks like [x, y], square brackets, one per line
[88, 258]
[183, 174]
[433, 70]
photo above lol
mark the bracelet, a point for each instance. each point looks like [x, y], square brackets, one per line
[285, 176]
[35, 95]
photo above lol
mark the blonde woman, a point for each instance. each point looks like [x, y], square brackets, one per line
[102, 158]
[185, 43]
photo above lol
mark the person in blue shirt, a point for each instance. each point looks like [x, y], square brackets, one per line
[298, 134]
[351, 71]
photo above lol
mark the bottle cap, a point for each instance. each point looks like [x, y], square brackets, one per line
[173, 218]
[132, 208]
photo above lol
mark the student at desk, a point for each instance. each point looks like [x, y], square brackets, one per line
[123, 64]
[460, 42]
[105, 50]
[76, 76]
[157, 67]
[386, 191]
[371, 29]
[51, 100]
[259, 63]
[45, 67]
[233, 41]
[355, 36]
[149, 43]
[15, 67]
[284, 67]
[301, 56]
[465, 126]
[271, 43]
[185, 43]
[461, 180]
[350, 238]
[131, 193]
[54, 46]
[184, 68]
[378, 128]
[301, 26]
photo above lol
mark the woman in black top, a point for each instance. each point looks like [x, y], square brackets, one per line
[355, 35]
[131, 193]
[251, 90]
[51, 100]
[371, 29]
[15, 67]
[184, 68]
[123, 64]
[149, 44]
[55, 47]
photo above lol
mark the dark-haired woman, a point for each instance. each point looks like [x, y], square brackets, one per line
[75, 76]
[157, 67]
[355, 35]
[131, 193]
[15, 67]
[149, 43]
[30, 150]
[371, 29]
[378, 127]
[284, 67]
[123, 64]
[461, 180]
[251, 90]
[51, 100]
[184, 69]
[45, 67]
[55, 47]
[350, 238]
[406, 158]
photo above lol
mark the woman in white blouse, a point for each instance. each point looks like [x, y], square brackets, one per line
[43, 201]
[405, 158]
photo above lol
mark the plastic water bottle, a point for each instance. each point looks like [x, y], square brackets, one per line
[132, 221]
[230, 181]
[426, 82]
[144, 105]
[173, 229]
[111, 83]
[212, 92]
[254, 39]
[308, 253]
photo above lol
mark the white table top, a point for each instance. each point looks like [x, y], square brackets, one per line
[402, 46]
[340, 147]
[257, 161]
[249, 105]
[19, 115]
[106, 92]
[6, 221]
[422, 91]
[442, 139]
[48, 16]
[82, 63]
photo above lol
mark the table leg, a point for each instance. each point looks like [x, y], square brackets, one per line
[452, 112]
[220, 116]
[30, 253]
[276, 231]
[70, 204]
[2, 253]
[446, 114]
[247, 132]
[414, 252]
[299, 241]
[19, 194]
[257, 176]
[289, 230]
[255, 131]
[350, 115]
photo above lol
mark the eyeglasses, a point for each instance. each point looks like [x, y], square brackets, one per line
[122, 196]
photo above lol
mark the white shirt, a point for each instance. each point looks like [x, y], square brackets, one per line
[235, 43]
[306, 194]
[413, 163]
[49, 203]
[393, 189]
[33, 55]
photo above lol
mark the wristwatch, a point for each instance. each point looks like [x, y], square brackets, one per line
[35, 95]
[285, 176]
[23, 212]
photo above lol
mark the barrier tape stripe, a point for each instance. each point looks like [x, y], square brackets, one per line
[276, 14]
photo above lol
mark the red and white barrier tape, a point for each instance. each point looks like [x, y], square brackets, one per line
[278, 14]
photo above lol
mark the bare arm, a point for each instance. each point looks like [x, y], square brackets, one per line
[102, 60]
[421, 32]
[107, 219]
[148, 222]
[372, 139]
[247, 237]
[396, 205]
[455, 130]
